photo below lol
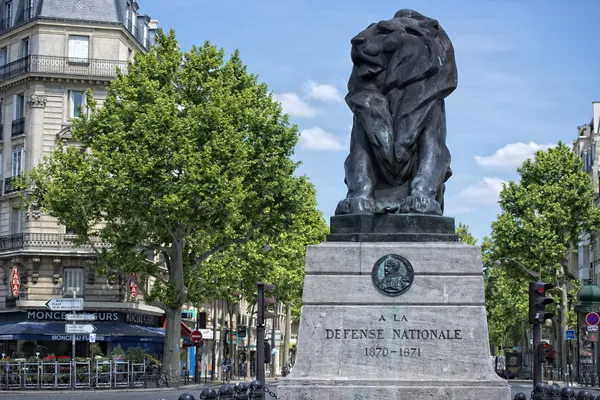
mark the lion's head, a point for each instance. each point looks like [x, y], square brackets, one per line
[403, 49]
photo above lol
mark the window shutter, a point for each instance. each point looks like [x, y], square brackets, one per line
[78, 47]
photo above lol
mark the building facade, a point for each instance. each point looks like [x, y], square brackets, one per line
[51, 52]
[584, 263]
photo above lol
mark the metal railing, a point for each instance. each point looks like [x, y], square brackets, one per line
[42, 241]
[18, 127]
[79, 375]
[62, 66]
[8, 185]
[5, 24]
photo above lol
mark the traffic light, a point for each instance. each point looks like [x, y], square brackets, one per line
[545, 352]
[538, 302]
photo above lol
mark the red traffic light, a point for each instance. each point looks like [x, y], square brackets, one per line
[545, 345]
[541, 290]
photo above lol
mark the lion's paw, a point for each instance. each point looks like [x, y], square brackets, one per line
[355, 205]
[421, 205]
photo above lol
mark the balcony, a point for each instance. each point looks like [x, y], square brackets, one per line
[62, 66]
[18, 127]
[49, 242]
[5, 24]
[8, 185]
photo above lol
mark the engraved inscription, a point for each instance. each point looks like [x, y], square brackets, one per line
[392, 275]
[392, 334]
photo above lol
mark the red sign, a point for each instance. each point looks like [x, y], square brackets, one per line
[592, 319]
[196, 336]
[133, 288]
[15, 282]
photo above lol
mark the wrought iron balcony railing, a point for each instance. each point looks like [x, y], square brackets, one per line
[42, 242]
[62, 66]
[18, 127]
[8, 185]
[5, 24]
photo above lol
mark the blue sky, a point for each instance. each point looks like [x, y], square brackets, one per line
[528, 73]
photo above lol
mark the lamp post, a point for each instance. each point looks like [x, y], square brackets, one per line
[537, 275]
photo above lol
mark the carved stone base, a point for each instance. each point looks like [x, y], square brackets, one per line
[429, 342]
[391, 228]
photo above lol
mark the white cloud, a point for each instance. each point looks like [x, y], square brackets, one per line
[294, 106]
[323, 92]
[483, 192]
[512, 155]
[320, 140]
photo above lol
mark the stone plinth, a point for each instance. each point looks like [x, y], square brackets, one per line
[431, 342]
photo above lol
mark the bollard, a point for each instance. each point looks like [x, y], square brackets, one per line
[256, 390]
[241, 391]
[226, 392]
[553, 392]
[585, 395]
[539, 391]
[520, 396]
[567, 393]
[208, 394]
[186, 396]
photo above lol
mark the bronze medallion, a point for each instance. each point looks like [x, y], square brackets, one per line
[392, 275]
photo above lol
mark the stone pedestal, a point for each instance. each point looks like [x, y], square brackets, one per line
[430, 342]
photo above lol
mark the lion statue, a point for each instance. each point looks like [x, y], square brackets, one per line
[398, 162]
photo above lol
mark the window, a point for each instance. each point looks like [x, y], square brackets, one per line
[1, 166]
[17, 162]
[6, 23]
[28, 12]
[25, 48]
[16, 221]
[78, 48]
[73, 282]
[69, 230]
[146, 36]
[3, 56]
[19, 106]
[77, 101]
[134, 22]
[128, 15]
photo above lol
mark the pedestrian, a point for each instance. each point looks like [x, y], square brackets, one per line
[227, 367]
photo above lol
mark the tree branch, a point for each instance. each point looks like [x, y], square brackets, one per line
[238, 241]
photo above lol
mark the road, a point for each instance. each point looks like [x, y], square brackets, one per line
[169, 394]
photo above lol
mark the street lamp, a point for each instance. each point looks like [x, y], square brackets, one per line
[537, 275]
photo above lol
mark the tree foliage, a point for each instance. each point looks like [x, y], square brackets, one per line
[542, 219]
[465, 236]
[188, 158]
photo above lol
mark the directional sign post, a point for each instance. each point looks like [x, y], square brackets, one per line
[570, 334]
[80, 317]
[65, 304]
[80, 328]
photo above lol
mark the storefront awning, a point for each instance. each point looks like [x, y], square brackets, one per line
[115, 332]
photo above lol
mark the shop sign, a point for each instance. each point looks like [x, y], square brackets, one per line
[15, 282]
[77, 337]
[45, 315]
[207, 334]
[6, 337]
[133, 288]
[142, 319]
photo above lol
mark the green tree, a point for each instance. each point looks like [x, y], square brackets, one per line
[542, 217]
[187, 156]
[465, 236]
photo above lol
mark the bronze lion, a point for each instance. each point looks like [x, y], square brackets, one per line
[398, 162]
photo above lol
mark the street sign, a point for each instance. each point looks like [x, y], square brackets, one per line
[570, 334]
[66, 304]
[92, 338]
[80, 317]
[15, 282]
[80, 328]
[592, 328]
[592, 319]
[196, 336]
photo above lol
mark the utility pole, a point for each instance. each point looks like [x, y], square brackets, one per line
[214, 346]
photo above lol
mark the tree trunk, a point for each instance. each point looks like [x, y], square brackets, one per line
[288, 335]
[222, 339]
[171, 350]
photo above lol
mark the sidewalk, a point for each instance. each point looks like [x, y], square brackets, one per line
[576, 386]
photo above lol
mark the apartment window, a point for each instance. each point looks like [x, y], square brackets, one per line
[73, 282]
[16, 221]
[17, 162]
[134, 22]
[76, 101]
[7, 21]
[28, 11]
[3, 56]
[19, 106]
[79, 48]
[146, 36]
[128, 15]
[69, 230]
[25, 48]
[1, 169]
